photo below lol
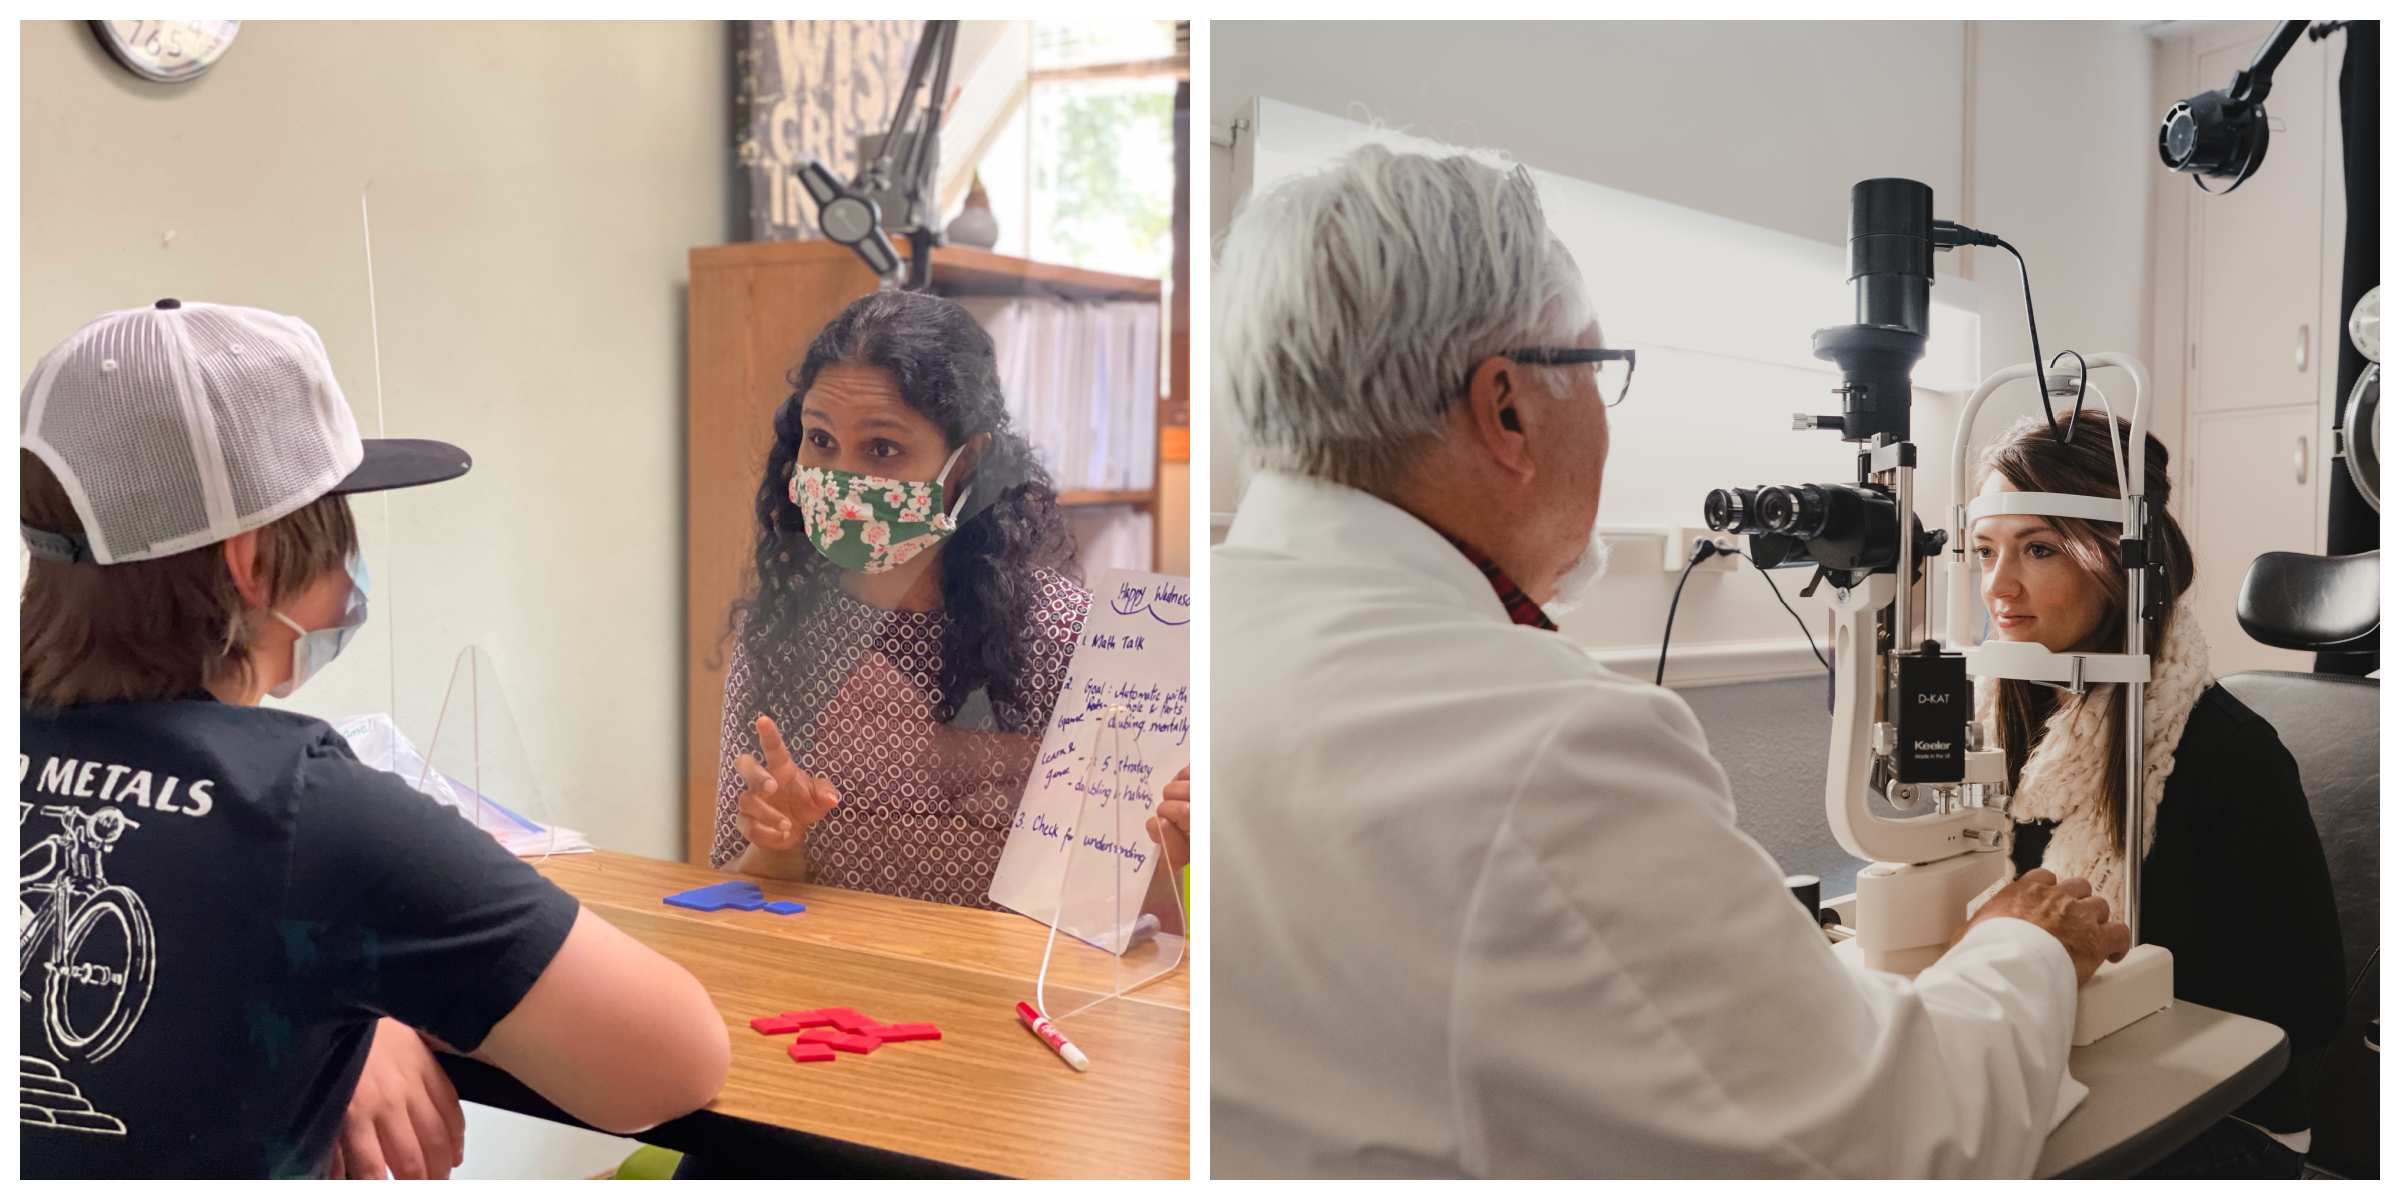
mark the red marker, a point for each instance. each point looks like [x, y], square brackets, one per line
[1043, 1029]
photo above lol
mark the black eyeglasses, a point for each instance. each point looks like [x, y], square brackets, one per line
[1615, 381]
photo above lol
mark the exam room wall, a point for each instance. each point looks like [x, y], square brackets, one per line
[535, 191]
[2036, 129]
[1767, 123]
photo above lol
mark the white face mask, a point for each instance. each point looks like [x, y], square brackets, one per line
[1575, 586]
[318, 647]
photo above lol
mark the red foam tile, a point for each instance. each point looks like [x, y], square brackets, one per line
[839, 1040]
[916, 1031]
[775, 1025]
[809, 1018]
[812, 1052]
[850, 1020]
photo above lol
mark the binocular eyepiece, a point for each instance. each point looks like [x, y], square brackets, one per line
[1838, 526]
[1800, 510]
[1728, 510]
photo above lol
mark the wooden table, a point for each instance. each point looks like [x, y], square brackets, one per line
[988, 1098]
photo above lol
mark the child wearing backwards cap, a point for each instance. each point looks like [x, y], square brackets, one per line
[235, 940]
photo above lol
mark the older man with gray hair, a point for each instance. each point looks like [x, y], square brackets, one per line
[1481, 907]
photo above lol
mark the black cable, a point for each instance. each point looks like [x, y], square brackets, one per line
[1787, 607]
[2083, 374]
[2066, 436]
[1699, 553]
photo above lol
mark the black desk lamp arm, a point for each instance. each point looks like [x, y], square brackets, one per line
[2252, 82]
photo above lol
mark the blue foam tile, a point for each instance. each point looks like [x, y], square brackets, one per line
[749, 903]
[733, 893]
[785, 908]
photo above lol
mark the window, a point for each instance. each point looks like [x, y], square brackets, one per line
[1083, 173]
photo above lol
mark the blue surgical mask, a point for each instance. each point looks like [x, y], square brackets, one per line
[317, 647]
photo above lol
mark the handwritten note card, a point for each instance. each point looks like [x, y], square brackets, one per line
[1078, 853]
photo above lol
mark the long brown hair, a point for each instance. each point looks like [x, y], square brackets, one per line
[2031, 459]
[160, 627]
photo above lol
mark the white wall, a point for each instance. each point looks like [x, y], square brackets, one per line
[1770, 124]
[1765, 122]
[2066, 155]
[535, 188]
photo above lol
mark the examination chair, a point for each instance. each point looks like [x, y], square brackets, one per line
[2318, 603]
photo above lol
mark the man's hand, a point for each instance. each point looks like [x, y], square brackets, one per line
[2067, 911]
[404, 1120]
[779, 800]
[1171, 825]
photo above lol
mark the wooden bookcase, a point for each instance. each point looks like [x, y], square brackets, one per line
[754, 308]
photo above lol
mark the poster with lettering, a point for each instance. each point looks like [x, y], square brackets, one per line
[808, 89]
[1078, 852]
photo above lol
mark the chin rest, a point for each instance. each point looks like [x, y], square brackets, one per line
[2312, 601]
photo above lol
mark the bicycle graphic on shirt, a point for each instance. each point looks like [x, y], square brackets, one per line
[92, 941]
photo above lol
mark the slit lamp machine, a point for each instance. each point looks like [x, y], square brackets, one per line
[1904, 727]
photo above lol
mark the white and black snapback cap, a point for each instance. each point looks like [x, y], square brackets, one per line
[180, 425]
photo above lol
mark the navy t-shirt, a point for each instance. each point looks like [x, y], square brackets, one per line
[216, 903]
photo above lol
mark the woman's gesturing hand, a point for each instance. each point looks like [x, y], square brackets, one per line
[779, 800]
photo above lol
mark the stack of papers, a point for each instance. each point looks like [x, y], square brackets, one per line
[1111, 535]
[380, 744]
[1082, 381]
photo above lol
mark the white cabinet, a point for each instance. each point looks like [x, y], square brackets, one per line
[2246, 378]
[2259, 493]
[2258, 274]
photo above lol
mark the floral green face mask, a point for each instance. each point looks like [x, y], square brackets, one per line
[869, 523]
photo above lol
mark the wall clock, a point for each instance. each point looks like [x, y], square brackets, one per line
[167, 51]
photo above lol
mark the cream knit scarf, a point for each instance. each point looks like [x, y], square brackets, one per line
[2065, 778]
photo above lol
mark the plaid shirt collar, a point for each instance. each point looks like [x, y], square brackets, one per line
[1521, 608]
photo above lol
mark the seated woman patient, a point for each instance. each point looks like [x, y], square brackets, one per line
[907, 623]
[2229, 849]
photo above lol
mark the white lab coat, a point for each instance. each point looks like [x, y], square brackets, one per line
[1480, 908]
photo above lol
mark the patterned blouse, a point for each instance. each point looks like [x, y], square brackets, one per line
[925, 804]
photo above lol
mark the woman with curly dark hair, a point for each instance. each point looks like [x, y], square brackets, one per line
[908, 619]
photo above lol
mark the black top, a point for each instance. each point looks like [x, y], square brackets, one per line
[2235, 886]
[215, 904]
